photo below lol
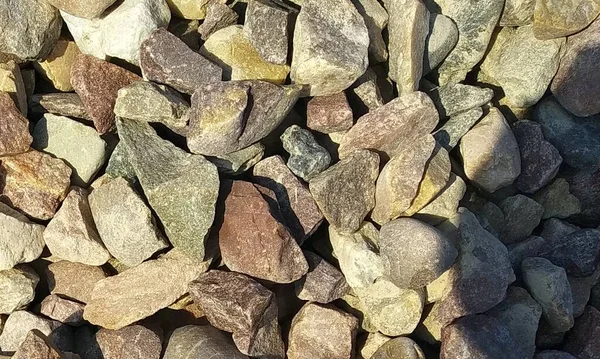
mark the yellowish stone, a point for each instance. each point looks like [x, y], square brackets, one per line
[57, 67]
[190, 9]
[12, 82]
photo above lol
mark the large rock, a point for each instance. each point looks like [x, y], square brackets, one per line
[11, 81]
[445, 204]
[345, 192]
[14, 128]
[18, 288]
[141, 291]
[582, 341]
[307, 158]
[441, 39]
[323, 283]
[237, 304]
[331, 44]
[195, 341]
[85, 9]
[557, 201]
[552, 19]
[376, 19]
[181, 188]
[56, 68]
[20, 240]
[131, 342]
[266, 26]
[578, 252]
[490, 153]
[575, 85]
[73, 280]
[521, 216]
[63, 310]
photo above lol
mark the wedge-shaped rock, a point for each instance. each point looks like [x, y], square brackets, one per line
[454, 99]
[195, 341]
[73, 280]
[376, 19]
[441, 39]
[11, 81]
[218, 16]
[134, 341]
[557, 201]
[14, 128]
[63, 104]
[238, 162]
[63, 310]
[517, 13]
[18, 288]
[323, 283]
[445, 204]
[552, 18]
[521, 216]
[180, 187]
[266, 26]
[56, 68]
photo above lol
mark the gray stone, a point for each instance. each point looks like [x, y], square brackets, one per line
[522, 65]
[582, 341]
[307, 158]
[72, 233]
[181, 188]
[547, 337]
[19, 323]
[521, 216]
[30, 29]
[323, 283]
[557, 201]
[345, 192]
[584, 186]
[554, 229]
[85, 9]
[445, 204]
[414, 253]
[490, 153]
[453, 99]
[442, 37]
[195, 341]
[18, 288]
[578, 252]
[408, 27]
[125, 224]
[376, 19]
[529, 247]
[552, 19]
[402, 347]
[329, 114]
[549, 286]
[20, 240]
[131, 342]
[266, 26]
[488, 214]
[73, 280]
[63, 310]
[240, 161]
[517, 13]
[146, 101]
[63, 104]
[581, 291]
[456, 127]
[331, 45]
[119, 164]
[475, 24]
[218, 16]
[553, 354]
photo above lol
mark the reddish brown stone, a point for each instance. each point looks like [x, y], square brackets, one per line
[97, 83]
[64, 310]
[253, 239]
[132, 342]
[34, 183]
[73, 280]
[14, 130]
[37, 346]
[583, 341]
[329, 113]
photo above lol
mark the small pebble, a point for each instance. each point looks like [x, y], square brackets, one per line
[307, 158]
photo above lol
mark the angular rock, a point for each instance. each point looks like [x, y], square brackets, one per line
[63, 310]
[331, 44]
[63, 104]
[557, 201]
[581, 291]
[517, 13]
[18, 288]
[555, 229]
[87, 9]
[345, 192]
[488, 214]
[376, 19]
[323, 283]
[19, 323]
[408, 27]
[126, 225]
[529, 247]
[392, 126]
[231, 49]
[141, 291]
[119, 165]
[582, 341]
[490, 153]
[166, 59]
[239, 161]
[575, 85]
[78, 145]
[522, 65]
[368, 95]
[30, 29]
[553, 354]
[187, 31]
[328, 114]
[134, 341]
[552, 19]
[547, 337]
[445, 204]
[97, 83]
[146, 101]
[36, 345]
[181, 188]
[401, 347]
[368, 344]
[73, 280]
[453, 99]
[187, 9]
[584, 186]
[307, 158]
[441, 39]
[14, 128]
[34, 183]
[56, 68]
[266, 26]
[521, 216]
[195, 341]
[306, 340]
[253, 320]
[218, 16]
[11, 81]
[549, 286]
[578, 252]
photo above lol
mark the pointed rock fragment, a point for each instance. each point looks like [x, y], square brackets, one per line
[307, 157]
[323, 283]
[557, 201]
[18, 288]
[134, 341]
[63, 310]
[14, 128]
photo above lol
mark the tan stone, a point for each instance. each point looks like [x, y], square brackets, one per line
[56, 68]
[11, 81]
[190, 9]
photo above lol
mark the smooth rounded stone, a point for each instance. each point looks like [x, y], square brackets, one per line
[553, 354]
[18, 288]
[126, 225]
[479, 336]
[331, 43]
[552, 18]
[517, 13]
[329, 114]
[146, 101]
[490, 153]
[358, 255]
[63, 104]
[376, 19]
[307, 158]
[63, 310]
[85, 9]
[78, 145]
[345, 192]
[408, 27]
[578, 252]
[549, 286]
[441, 39]
[368, 343]
[582, 341]
[475, 23]
[576, 138]
[321, 331]
[56, 68]
[218, 16]
[398, 183]
[557, 201]
[266, 26]
[30, 29]
[181, 188]
[521, 216]
[391, 310]
[36, 345]
[34, 183]
[391, 127]
[399, 348]
[532, 246]
[445, 204]
[252, 238]
[20, 323]
[575, 85]
[238, 162]
[231, 50]
[195, 341]
[14, 128]
[237, 304]
[97, 83]
[141, 291]
[121, 31]
[11, 81]
[131, 342]
[166, 59]
[228, 116]
[522, 65]
[323, 283]
[521, 314]
[72, 280]
[453, 99]
[414, 253]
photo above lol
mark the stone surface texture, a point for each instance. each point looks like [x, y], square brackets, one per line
[521, 216]
[552, 19]
[134, 341]
[72, 280]
[192, 341]
[63, 310]
[266, 26]
[441, 39]
[557, 201]
[18, 288]
[323, 283]
[56, 68]
[328, 114]
[14, 128]
[307, 158]
[11, 81]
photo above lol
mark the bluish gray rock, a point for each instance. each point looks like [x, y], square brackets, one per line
[307, 157]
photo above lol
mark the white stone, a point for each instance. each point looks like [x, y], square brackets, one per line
[20, 240]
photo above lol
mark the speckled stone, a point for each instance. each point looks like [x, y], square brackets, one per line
[328, 114]
[14, 128]
[218, 16]
[85, 9]
[63, 104]
[36, 345]
[18, 286]
[56, 68]
[195, 341]
[531, 246]
[20, 323]
[376, 19]
[11, 81]
[441, 39]
[557, 201]
[119, 165]
[73, 280]
[323, 283]
[240, 161]
[131, 342]
[189, 9]
[577, 252]
[517, 13]
[582, 341]
[552, 19]
[63, 310]
[307, 158]
[453, 99]
[445, 204]
[521, 215]
[401, 347]
[266, 26]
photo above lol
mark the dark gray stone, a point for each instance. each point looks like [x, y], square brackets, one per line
[585, 185]
[553, 354]
[521, 216]
[530, 247]
[578, 252]
[557, 200]
[583, 341]
[307, 158]
[457, 126]
[554, 229]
